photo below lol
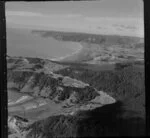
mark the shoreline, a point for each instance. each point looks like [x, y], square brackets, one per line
[68, 55]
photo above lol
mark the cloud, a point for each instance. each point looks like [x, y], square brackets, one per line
[66, 16]
[73, 15]
[120, 26]
[23, 13]
[76, 22]
[38, 14]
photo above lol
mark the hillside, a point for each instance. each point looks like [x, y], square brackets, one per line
[125, 82]
[49, 99]
[36, 93]
[89, 38]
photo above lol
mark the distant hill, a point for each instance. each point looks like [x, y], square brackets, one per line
[99, 49]
[89, 38]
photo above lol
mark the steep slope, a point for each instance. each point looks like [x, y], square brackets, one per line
[125, 83]
[42, 93]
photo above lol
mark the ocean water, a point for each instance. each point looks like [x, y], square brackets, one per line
[21, 42]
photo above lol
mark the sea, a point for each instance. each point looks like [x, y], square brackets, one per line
[22, 42]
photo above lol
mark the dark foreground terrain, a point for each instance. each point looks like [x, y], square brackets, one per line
[105, 121]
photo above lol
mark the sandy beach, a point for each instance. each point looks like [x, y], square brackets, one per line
[69, 55]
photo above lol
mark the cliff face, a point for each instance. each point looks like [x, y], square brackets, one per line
[42, 93]
[50, 86]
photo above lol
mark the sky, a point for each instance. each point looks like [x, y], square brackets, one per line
[120, 17]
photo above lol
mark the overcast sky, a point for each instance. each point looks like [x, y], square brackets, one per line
[122, 17]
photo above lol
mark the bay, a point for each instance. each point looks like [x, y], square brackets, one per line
[21, 42]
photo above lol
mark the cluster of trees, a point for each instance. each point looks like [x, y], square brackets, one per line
[18, 77]
[125, 84]
[104, 121]
[54, 127]
[116, 81]
[35, 60]
[11, 60]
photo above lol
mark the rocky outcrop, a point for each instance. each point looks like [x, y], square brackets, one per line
[17, 127]
[47, 86]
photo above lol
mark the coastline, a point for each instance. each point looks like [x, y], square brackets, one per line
[68, 55]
